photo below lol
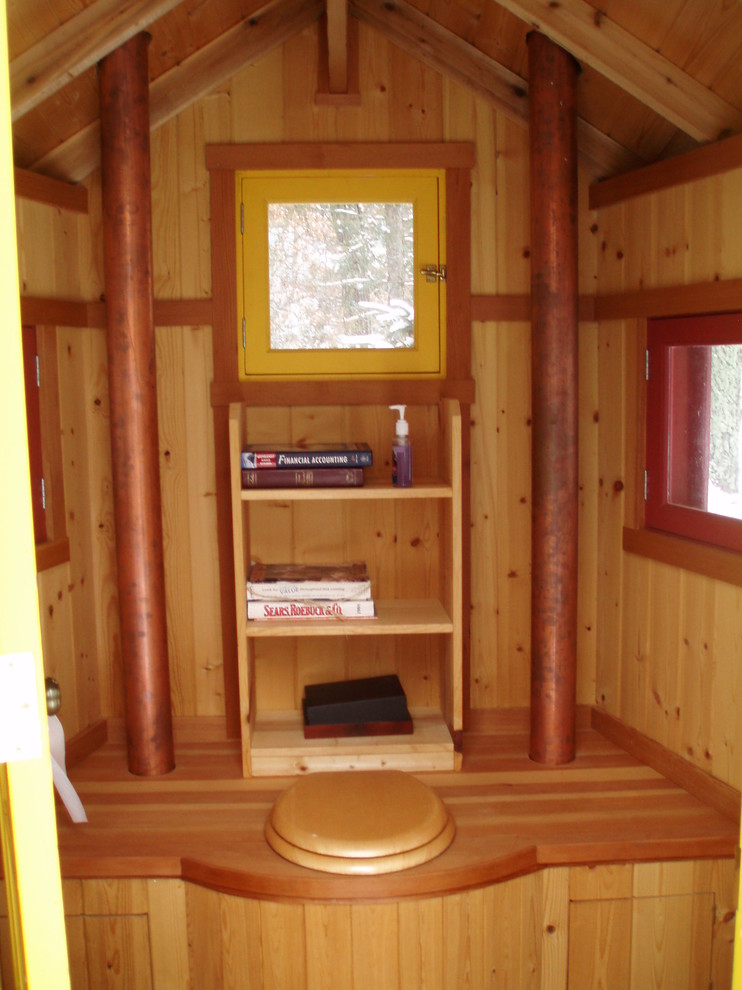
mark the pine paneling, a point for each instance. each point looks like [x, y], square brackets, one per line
[676, 236]
[669, 638]
[582, 928]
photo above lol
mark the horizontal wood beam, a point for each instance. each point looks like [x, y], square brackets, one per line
[719, 296]
[701, 163]
[182, 312]
[426, 40]
[52, 554]
[37, 311]
[75, 46]
[54, 192]
[516, 308]
[341, 393]
[193, 78]
[344, 154]
[722, 296]
[593, 38]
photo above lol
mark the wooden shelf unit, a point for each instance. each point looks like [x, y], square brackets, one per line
[411, 539]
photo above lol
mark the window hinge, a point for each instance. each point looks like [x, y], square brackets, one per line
[434, 273]
[242, 218]
[244, 334]
[646, 483]
[646, 365]
[38, 371]
[43, 494]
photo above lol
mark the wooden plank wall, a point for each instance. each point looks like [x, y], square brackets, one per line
[658, 646]
[648, 925]
[669, 640]
[274, 101]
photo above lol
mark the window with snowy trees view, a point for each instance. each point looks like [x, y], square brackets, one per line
[341, 275]
[694, 427]
[335, 274]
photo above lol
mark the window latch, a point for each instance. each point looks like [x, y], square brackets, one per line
[434, 273]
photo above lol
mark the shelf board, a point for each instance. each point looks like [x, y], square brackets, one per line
[279, 747]
[393, 618]
[372, 490]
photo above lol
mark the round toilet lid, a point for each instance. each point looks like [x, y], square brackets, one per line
[374, 821]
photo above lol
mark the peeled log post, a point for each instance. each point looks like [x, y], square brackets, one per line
[553, 150]
[127, 254]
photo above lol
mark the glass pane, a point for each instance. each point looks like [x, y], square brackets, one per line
[724, 491]
[706, 428]
[341, 275]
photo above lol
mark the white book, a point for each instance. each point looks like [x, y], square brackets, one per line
[310, 609]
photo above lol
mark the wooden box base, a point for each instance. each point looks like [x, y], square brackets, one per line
[343, 729]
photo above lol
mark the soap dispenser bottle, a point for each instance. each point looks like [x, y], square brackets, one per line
[401, 451]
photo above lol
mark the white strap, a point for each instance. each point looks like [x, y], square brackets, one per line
[66, 791]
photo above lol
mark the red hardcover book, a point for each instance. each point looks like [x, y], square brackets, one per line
[302, 478]
[299, 582]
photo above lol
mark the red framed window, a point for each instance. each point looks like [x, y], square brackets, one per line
[694, 427]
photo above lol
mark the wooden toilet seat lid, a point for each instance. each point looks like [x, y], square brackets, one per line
[359, 822]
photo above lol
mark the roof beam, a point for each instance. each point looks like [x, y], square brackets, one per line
[75, 46]
[337, 45]
[193, 79]
[593, 38]
[441, 49]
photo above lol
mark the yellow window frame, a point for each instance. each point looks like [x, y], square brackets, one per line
[424, 188]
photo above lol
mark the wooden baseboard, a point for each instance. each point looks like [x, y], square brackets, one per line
[719, 795]
[86, 742]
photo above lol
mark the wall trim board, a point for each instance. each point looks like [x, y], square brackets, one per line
[342, 154]
[36, 310]
[673, 300]
[712, 791]
[701, 558]
[701, 163]
[85, 742]
[342, 392]
[516, 308]
[718, 296]
[53, 192]
[52, 553]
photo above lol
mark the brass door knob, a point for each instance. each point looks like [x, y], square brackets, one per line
[53, 696]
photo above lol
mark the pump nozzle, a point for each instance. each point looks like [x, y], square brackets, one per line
[402, 426]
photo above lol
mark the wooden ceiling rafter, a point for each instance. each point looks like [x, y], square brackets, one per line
[614, 54]
[192, 79]
[75, 46]
[441, 49]
[337, 45]
[635, 67]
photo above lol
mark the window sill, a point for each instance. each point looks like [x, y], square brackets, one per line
[51, 554]
[702, 558]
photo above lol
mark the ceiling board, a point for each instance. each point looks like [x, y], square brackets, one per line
[620, 91]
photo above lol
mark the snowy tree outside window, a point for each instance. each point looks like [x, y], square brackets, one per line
[341, 276]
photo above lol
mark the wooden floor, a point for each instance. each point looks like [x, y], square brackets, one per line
[204, 822]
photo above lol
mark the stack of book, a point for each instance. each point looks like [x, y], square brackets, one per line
[309, 591]
[326, 465]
